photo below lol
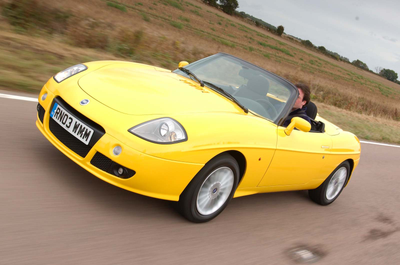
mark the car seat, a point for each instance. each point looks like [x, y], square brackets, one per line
[312, 110]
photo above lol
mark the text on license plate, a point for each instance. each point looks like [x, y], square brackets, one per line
[71, 124]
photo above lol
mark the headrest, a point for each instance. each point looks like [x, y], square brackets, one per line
[311, 110]
[259, 85]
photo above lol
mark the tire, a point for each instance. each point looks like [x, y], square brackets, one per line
[211, 189]
[330, 190]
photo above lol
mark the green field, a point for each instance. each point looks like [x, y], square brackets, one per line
[37, 41]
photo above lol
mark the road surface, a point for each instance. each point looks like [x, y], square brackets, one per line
[54, 212]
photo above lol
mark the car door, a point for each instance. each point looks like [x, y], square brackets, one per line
[299, 158]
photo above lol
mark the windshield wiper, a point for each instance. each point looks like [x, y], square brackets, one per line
[190, 73]
[226, 94]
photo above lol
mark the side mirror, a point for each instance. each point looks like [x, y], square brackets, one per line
[182, 64]
[298, 123]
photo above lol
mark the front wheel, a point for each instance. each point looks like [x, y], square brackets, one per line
[210, 191]
[328, 191]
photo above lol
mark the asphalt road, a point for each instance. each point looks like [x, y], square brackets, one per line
[54, 212]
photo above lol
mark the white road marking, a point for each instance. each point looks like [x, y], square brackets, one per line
[391, 145]
[35, 100]
[18, 97]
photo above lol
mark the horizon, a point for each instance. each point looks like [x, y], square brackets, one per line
[363, 30]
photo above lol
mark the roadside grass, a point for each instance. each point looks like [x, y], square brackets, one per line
[196, 12]
[117, 6]
[97, 27]
[26, 64]
[176, 24]
[28, 16]
[364, 126]
[127, 43]
[275, 48]
[191, 4]
[173, 3]
[185, 19]
[225, 42]
[145, 17]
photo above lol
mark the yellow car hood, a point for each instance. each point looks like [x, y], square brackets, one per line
[139, 90]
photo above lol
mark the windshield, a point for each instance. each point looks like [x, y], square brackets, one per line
[256, 89]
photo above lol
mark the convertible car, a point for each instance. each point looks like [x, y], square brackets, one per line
[200, 135]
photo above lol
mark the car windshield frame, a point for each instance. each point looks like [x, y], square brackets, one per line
[279, 120]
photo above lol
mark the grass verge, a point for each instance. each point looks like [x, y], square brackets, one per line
[117, 6]
[365, 127]
[332, 82]
[27, 63]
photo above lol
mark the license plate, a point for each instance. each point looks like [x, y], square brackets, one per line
[71, 124]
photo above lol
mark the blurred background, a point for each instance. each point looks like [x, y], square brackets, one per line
[39, 38]
[50, 215]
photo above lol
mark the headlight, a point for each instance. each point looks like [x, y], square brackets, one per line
[70, 71]
[164, 131]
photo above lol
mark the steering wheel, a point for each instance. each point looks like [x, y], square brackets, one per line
[268, 106]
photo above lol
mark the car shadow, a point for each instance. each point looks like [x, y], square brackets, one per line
[90, 189]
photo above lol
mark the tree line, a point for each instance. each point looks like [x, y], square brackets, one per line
[230, 6]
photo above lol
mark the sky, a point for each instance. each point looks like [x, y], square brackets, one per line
[357, 29]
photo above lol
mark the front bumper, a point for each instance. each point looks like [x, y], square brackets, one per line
[154, 177]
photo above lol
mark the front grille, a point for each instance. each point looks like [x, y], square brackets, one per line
[105, 164]
[41, 112]
[68, 139]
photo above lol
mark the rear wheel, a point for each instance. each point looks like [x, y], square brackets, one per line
[328, 191]
[210, 191]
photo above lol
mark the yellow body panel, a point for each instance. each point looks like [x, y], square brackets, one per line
[274, 161]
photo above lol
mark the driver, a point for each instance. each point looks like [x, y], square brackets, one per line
[300, 106]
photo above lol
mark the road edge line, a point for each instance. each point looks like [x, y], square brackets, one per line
[373, 143]
[18, 97]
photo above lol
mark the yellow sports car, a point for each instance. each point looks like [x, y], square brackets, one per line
[200, 135]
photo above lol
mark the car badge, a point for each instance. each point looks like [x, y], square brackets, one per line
[84, 102]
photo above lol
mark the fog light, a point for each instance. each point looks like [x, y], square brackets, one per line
[119, 170]
[44, 96]
[117, 150]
